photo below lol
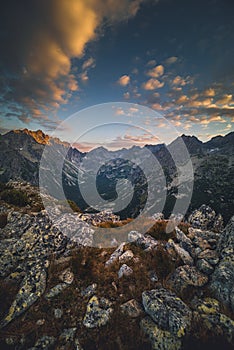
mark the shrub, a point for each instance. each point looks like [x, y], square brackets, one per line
[15, 197]
[158, 231]
[3, 220]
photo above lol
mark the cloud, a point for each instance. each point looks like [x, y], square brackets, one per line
[126, 95]
[86, 66]
[156, 72]
[171, 60]
[225, 99]
[124, 80]
[178, 80]
[210, 92]
[151, 63]
[152, 84]
[40, 40]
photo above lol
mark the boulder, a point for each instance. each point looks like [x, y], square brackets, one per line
[185, 277]
[98, 312]
[222, 281]
[168, 311]
[159, 338]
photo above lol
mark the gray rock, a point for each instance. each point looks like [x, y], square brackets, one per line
[159, 339]
[158, 216]
[184, 241]
[98, 313]
[89, 291]
[183, 254]
[153, 276]
[168, 311]
[144, 241]
[184, 277]
[125, 270]
[206, 218]
[210, 256]
[126, 256]
[132, 308]
[115, 255]
[32, 287]
[56, 290]
[68, 335]
[214, 322]
[204, 266]
[222, 281]
[67, 276]
[44, 343]
[58, 313]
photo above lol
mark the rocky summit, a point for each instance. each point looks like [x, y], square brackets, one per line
[155, 290]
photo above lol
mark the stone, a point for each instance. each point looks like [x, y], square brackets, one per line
[210, 256]
[153, 276]
[131, 308]
[32, 287]
[67, 276]
[58, 313]
[159, 339]
[56, 290]
[44, 343]
[203, 266]
[168, 311]
[126, 256]
[89, 291]
[158, 216]
[183, 254]
[146, 242]
[205, 218]
[124, 270]
[98, 313]
[184, 241]
[115, 255]
[214, 322]
[185, 277]
[222, 281]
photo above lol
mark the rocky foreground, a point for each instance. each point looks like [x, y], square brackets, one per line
[154, 291]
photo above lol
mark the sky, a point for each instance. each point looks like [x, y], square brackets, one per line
[59, 57]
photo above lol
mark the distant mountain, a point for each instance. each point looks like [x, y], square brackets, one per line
[213, 163]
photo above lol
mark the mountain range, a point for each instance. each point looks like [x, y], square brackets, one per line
[212, 161]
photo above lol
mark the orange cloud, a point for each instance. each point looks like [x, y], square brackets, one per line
[59, 31]
[152, 84]
[156, 72]
[124, 80]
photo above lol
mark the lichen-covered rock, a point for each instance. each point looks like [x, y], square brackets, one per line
[125, 270]
[98, 313]
[203, 266]
[159, 339]
[205, 218]
[210, 256]
[222, 282]
[184, 277]
[32, 287]
[56, 290]
[184, 241]
[214, 322]
[44, 343]
[146, 242]
[131, 308]
[168, 311]
[89, 291]
[182, 253]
